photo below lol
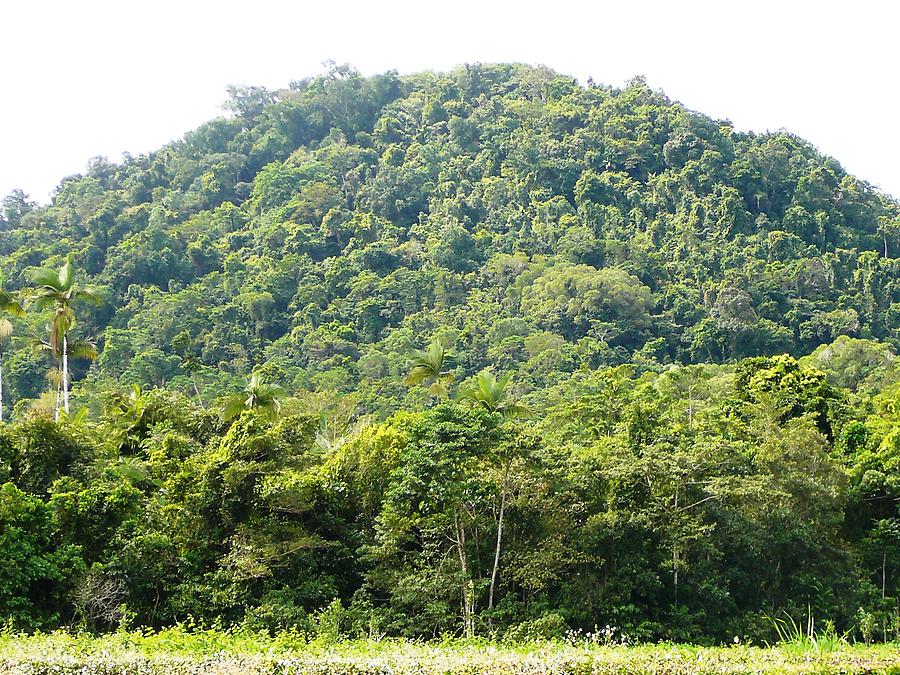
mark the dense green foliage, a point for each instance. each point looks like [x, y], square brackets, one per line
[697, 502]
[382, 254]
[328, 229]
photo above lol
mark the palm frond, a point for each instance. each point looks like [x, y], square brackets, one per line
[441, 386]
[428, 366]
[419, 374]
[133, 469]
[489, 392]
[66, 275]
[466, 391]
[45, 277]
[76, 417]
[10, 304]
[516, 411]
[90, 294]
[40, 346]
[257, 395]
[234, 406]
[82, 349]
[42, 299]
[61, 323]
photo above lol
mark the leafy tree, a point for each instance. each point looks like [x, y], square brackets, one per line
[39, 573]
[126, 414]
[433, 502]
[13, 208]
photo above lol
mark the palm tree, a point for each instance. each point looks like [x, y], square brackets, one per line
[428, 367]
[58, 374]
[8, 305]
[57, 290]
[257, 395]
[486, 391]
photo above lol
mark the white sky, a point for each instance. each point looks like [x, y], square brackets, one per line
[86, 78]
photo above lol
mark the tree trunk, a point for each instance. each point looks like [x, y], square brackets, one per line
[675, 570]
[65, 374]
[58, 399]
[197, 390]
[675, 556]
[691, 408]
[499, 540]
[468, 622]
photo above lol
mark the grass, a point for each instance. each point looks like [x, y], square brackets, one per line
[794, 637]
[179, 651]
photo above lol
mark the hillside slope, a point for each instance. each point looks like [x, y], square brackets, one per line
[325, 230]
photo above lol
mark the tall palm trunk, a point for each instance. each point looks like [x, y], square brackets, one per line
[1, 386]
[65, 374]
[58, 400]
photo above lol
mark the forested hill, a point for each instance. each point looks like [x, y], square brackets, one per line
[604, 431]
[534, 225]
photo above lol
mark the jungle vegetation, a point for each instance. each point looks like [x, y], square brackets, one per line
[485, 352]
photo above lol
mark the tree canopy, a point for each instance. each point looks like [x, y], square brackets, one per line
[327, 229]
